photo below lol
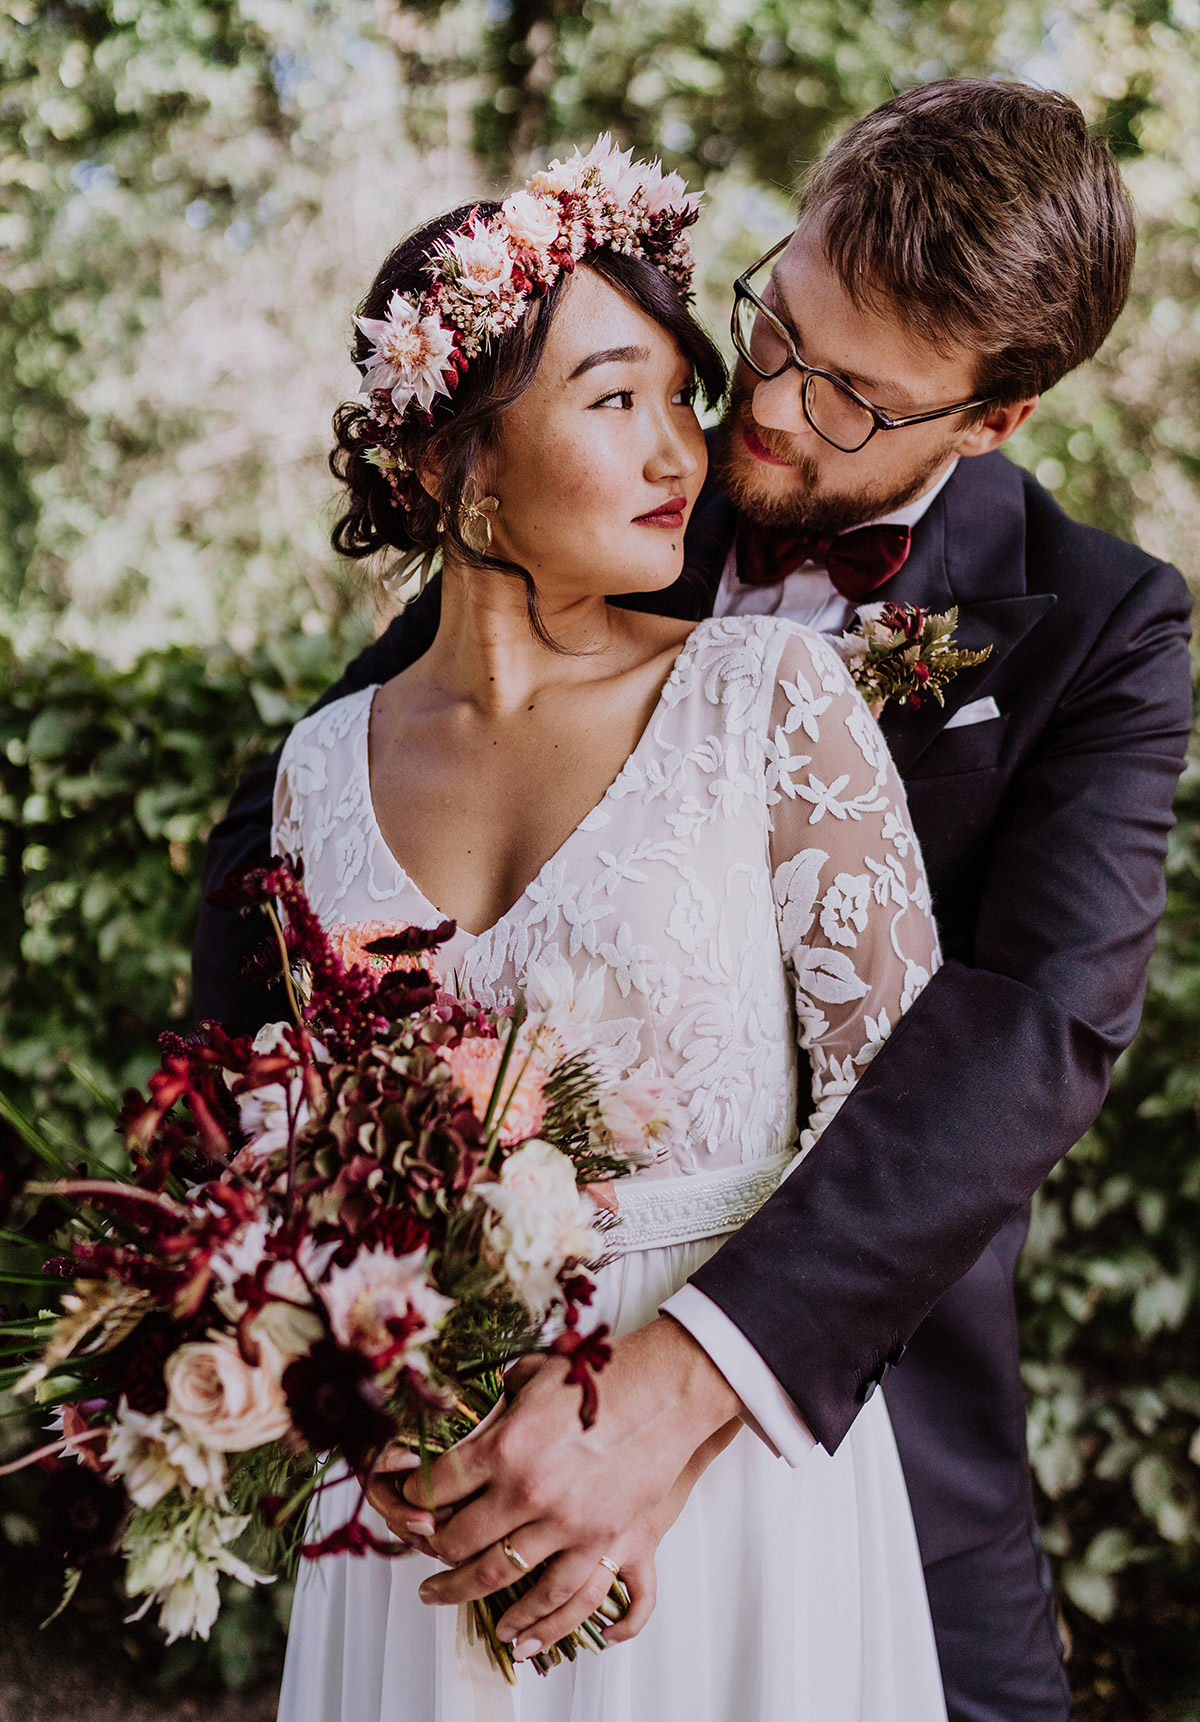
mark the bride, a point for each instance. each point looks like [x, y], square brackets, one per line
[702, 826]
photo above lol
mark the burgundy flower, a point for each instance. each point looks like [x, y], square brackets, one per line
[404, 992]
[334, 1403]
[588, 1354]
[579, 1289]
[353, 1539]
[176, 1081]
[82, 1513]
[139, 1363]
[408, 941]
[397, 1229]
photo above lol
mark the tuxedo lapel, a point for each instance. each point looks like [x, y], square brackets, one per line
[969, 552]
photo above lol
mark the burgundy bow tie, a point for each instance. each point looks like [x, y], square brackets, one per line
[858, 562]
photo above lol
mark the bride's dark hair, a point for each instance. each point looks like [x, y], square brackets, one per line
[465, 424]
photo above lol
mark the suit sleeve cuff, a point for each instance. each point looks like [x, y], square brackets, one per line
[766, 1408]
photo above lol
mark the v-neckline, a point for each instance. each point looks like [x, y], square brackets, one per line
[406, 876]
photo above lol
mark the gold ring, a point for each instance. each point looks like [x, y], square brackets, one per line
[612, 1566]
[514, 1557]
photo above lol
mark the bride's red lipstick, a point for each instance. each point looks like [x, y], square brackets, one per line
[759, 450]
[668, 514]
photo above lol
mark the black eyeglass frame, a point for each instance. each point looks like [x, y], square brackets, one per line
[880, 420]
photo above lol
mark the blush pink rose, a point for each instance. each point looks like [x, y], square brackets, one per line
[218, 1399]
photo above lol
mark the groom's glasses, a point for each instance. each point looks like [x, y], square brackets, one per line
[839, 414]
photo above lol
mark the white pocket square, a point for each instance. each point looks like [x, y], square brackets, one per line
[978, 711]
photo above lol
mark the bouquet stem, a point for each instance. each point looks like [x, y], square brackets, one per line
[589, 1635]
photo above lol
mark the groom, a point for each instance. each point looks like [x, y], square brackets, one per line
[958, 251]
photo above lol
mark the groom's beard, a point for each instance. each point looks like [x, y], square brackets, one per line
[808, 508]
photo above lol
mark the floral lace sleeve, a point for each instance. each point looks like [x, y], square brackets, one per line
[852, 902]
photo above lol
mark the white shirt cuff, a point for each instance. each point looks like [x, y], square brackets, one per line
[766, 1408]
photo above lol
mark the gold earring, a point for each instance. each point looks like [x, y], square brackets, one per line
[475, 524]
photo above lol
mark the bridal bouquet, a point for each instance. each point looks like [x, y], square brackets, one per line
[334, 1236]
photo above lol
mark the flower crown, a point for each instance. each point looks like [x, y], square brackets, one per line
[483, 279]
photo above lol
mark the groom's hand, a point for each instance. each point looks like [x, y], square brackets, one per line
[561, 1493]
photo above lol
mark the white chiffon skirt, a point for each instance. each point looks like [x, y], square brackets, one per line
[784, 1595]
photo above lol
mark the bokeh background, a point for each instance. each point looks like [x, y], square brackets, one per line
[193, 195]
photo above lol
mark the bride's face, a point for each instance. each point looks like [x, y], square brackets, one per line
[602, 458]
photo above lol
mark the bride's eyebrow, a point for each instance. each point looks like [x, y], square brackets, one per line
[609, 356]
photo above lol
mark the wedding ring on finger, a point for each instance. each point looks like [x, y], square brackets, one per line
[607, 1561]
[514, 1557]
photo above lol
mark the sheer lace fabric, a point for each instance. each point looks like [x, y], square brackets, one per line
[748, 886]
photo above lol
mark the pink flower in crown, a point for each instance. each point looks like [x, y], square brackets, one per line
[532, 222]
[474, 1066]
[615, 170]
[667, 194]
[485, 263]
[411, 354]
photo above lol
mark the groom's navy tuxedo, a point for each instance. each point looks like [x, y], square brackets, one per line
[1044, 831]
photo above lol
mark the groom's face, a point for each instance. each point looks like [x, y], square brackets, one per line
[775, 466]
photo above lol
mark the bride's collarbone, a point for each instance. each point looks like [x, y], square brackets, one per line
[474, 805]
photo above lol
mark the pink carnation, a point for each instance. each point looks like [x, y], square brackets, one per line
[350, 941]
[475, 1064]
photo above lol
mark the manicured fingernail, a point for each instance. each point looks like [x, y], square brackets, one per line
[418, 1527]
[527, 1647]
[429, 1592]
[507, 1635]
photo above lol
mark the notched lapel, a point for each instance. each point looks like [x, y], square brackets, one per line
[1001, 623]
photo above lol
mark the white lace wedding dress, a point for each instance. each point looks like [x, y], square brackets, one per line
[748, 883]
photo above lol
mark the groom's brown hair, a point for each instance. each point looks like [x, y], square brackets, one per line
[989, 218]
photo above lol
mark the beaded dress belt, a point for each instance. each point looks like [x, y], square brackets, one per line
[654, 1212]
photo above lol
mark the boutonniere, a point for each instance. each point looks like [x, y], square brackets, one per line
[901, 652]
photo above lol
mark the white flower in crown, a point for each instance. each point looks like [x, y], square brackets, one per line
[411, 354]
[484, 262]
[532, 222]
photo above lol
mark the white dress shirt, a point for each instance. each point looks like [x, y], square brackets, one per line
[807, 596]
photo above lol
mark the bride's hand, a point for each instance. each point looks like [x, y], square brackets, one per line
[563, 1494]
[382, 1486]
[632, 1553]
[385, 1481]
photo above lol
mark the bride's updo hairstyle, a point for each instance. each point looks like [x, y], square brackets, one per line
[386, 443]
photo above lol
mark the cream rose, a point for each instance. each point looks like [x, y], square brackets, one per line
[532, 221]
[215, 1396]
[539, 1221]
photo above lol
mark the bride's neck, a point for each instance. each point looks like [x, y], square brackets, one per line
[485, 651]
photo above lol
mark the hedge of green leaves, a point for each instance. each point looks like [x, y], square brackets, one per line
[109, 783]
